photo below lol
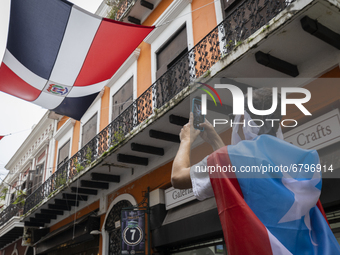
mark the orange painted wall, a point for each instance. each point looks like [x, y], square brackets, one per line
[81, 213]
[75, 138]
[144, 80]
[160, 178]
[161, 7]
[144, 68]
[62, 121]
[203, 18]
[102, 218]
[322, 95]
[104, 109]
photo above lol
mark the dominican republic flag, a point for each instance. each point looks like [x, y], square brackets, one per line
[59, 56]
[270, 213]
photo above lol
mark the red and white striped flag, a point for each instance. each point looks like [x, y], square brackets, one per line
[59, 56]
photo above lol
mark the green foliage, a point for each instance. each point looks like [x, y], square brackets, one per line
[230, 43]
[207, 74]
[3, 193]
[88, 155]
[118, 136]
[116, 5]
[60, 181]
[78, 166]
[20, 197]
[238, 43]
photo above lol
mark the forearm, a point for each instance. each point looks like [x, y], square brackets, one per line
[180, 176]
[217, 144]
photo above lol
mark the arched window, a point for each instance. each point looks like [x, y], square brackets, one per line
[113, 228]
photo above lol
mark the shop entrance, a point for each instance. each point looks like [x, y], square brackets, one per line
[84, 248]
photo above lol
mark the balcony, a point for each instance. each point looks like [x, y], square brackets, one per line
[118, 153]
[10, 226]
[134, 11]
[153, 103]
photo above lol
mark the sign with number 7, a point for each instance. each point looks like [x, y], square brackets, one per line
[133, 232]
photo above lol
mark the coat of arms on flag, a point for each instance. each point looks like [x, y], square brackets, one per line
[59, 56]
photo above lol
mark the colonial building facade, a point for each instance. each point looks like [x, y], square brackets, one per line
[81, 176]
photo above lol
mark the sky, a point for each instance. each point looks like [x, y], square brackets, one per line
[17, 117]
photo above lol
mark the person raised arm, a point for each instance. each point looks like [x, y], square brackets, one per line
[180, 176]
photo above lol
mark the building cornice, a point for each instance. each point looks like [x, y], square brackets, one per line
[44, 125]
[14, 222]
[64, 129]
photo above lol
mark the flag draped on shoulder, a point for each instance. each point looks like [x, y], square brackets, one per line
[264, 206]
[59, 56]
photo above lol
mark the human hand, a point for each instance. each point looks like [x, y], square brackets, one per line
[188, 132]
[210, 136]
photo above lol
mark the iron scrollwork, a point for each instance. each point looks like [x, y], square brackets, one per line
[250, 16]
[114, 230]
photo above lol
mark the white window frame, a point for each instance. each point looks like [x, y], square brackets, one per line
[182, 19]
[120, 82]
[95, 108]
[105, 234]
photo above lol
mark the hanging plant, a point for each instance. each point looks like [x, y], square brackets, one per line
[118, 8]
[20, 198]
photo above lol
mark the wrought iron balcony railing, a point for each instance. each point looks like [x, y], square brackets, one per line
[9, 212]
[119, 8]
[237, 27]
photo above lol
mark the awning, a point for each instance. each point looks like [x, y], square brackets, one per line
[72, 233]
[189, 209]
[189, 223]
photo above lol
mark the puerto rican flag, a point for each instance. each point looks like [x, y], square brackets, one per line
[59, 56]
[276, 213]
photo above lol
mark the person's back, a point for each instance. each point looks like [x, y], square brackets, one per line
[267, 190]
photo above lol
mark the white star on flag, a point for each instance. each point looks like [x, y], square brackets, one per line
[306, 196]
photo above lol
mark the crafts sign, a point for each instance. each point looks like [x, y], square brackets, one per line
[133, 229]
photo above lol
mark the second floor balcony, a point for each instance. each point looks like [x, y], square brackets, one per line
[136, 141]
[10, 226]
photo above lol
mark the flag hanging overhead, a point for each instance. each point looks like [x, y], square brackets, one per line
[59, 56]
[1, 136]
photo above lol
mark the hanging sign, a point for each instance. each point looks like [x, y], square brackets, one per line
[317, 133]
[133, 232]
[175, 197]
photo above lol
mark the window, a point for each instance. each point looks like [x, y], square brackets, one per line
[63, 154]
[39, 172]
[173, 71]
[23, 186]
[122, 99]
[30, 186]
[12, 197]
[229, 6]
[89, 130]
[172, 51]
